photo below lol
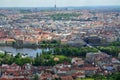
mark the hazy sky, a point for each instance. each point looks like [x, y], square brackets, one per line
[59, 3]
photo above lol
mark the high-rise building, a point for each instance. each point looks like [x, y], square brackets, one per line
[55, 5]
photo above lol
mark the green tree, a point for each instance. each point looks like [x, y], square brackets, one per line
[115, 76]
[22, 61]
[18, 55]
[36, 77]
[98, 77]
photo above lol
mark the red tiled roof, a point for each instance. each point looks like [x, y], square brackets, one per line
[66, 78]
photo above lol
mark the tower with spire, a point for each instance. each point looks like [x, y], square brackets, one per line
[55, 6]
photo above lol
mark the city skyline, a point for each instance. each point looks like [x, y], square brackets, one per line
[59, 3]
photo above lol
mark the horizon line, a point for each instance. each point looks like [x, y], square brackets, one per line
[57, 6]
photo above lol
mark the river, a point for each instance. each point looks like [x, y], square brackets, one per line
[30, 52]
